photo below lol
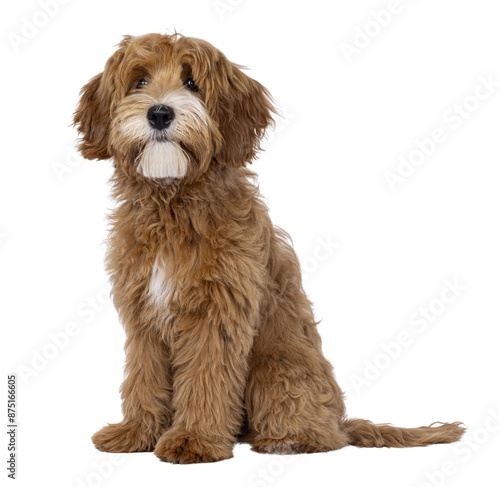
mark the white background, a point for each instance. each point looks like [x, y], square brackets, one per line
[347, 121]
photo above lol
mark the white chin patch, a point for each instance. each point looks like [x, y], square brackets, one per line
[163, 160]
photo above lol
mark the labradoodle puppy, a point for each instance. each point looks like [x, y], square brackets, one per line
[222, 344]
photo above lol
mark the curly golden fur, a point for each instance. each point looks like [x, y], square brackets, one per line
[222, 345]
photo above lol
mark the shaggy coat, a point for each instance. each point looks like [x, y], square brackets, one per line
[222, 344]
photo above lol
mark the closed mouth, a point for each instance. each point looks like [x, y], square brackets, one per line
[160, 136]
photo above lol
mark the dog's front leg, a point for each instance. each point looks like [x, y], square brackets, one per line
[146, 394]
[212, 342]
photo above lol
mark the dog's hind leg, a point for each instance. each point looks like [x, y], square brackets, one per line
[293, 402]
[146, 394]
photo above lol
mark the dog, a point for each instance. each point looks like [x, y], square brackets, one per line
[222, 345]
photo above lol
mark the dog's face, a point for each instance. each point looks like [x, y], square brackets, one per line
[169, 107]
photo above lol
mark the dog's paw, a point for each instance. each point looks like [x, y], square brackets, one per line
[123, 437]
[287, 446]
[182, 447]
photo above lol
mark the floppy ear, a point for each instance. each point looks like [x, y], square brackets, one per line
[92, 120]
[245, 111]
[92, 117]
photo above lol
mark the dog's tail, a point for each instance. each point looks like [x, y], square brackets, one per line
[364, 433]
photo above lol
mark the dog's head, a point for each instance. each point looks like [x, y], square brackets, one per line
[169, 107]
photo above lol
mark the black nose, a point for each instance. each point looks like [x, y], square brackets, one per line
[160, 116]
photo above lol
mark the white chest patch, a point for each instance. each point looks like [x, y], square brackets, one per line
[160, 286]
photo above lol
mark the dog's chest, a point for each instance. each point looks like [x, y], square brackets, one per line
[160, 286]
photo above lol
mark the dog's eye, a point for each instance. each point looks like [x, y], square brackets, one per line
[141, 83]
[191, 85]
